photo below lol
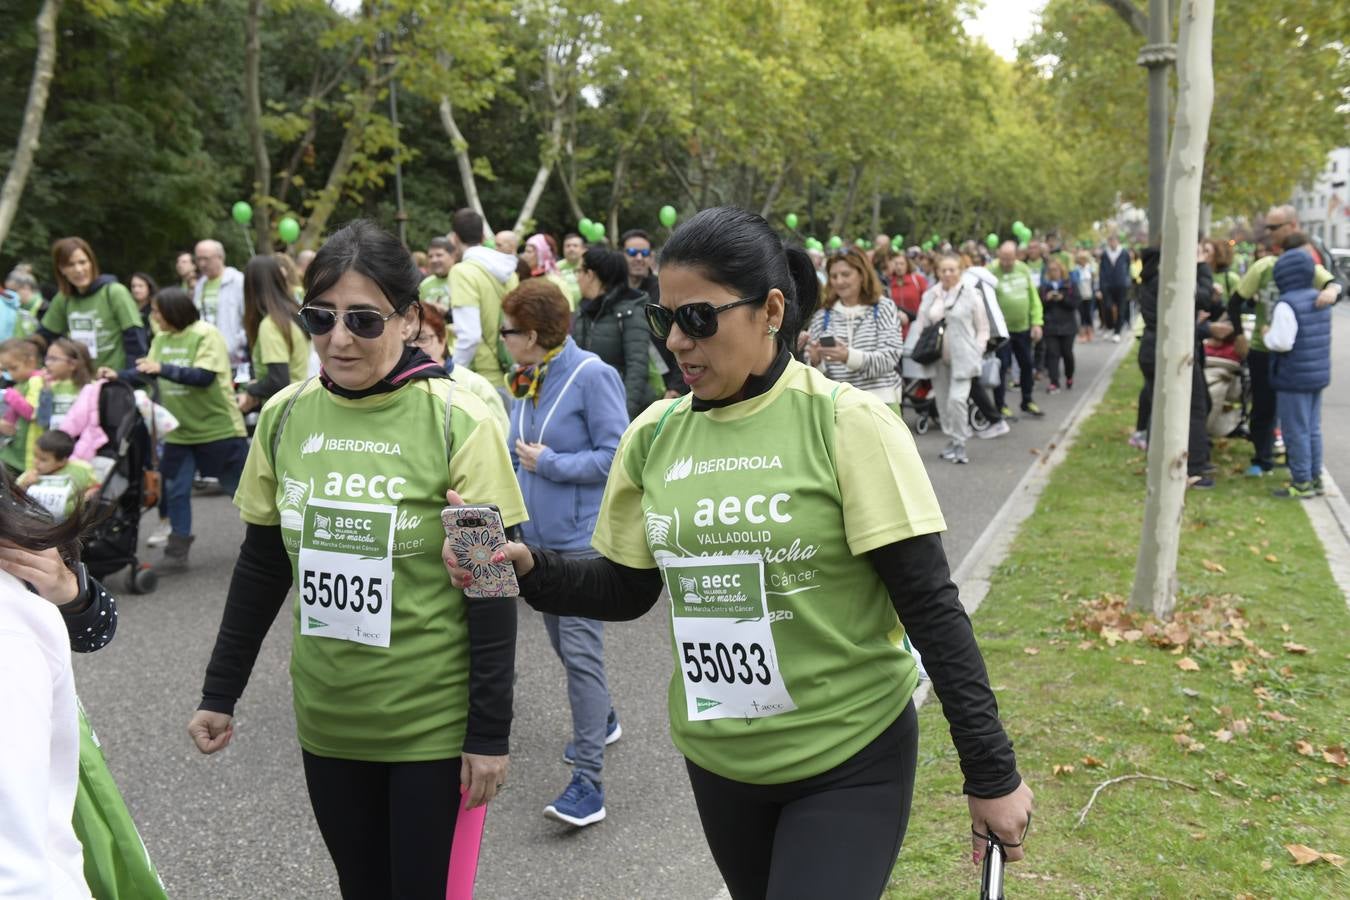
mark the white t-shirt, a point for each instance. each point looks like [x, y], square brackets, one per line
[40, 857]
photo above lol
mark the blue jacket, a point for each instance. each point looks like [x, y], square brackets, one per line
[1306, 369]
[580, 424]
[1114, 276]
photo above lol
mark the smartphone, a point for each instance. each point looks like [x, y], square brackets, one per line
[827, 341]
[476, 534]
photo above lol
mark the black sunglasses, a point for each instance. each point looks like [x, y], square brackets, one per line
[634, 251]
[362, 323]
[698, 320]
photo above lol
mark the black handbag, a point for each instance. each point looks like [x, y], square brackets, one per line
[928, 349]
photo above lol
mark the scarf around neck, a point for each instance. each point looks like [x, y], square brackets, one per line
[412, 365]
[525, 382]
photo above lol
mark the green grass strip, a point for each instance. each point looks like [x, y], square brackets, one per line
[1256, 728]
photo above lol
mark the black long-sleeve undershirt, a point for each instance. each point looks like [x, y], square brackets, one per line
[916, 575]
[278, 376]
[258, 588]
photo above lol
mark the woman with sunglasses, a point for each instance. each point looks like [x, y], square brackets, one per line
[402, 687]
[610, 323]
[793, 524]
[189, 359]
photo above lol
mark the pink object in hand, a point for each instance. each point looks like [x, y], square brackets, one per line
[464, 851]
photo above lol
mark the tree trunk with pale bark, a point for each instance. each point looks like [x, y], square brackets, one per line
[262, 166]
[1155, 581]
[33, 113]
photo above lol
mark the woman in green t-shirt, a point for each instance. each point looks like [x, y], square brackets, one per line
[402, 687]
[791, 519]
[279, 346]
[92, 308]
[192, 366]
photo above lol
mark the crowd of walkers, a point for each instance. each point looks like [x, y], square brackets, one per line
[604, 407]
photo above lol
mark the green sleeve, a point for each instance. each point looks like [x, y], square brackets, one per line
[462, 291]
[1250, 284]
[124, 310]
[55, 319]
[1321, 277]
[480, 467]
[212, 354]
[156, 345]
[1034, 307]
[271, 346]
[256, 496]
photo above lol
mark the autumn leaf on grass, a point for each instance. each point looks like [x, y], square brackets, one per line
[1092, 762]
[1031, 651]
[1211, 566]
[1239, 668]
[1272, 558]
[1186, 664]
[1062, 770]
[1223, 735]
[1304, 748]
[1111, 636]
[1132, 635]
[1335, 756]
[1291, 647]
[1275, 715]
[1304, 855]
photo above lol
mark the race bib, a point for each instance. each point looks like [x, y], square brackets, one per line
[727, 657]
[347, 571]
[54, 495]
[84, 330]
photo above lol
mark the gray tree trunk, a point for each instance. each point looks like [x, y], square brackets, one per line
[462, 159]
[1155, 580]
[262, 166]
[33, 113]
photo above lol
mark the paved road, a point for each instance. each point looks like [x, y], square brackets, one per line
[1336, 402]
[238, 825]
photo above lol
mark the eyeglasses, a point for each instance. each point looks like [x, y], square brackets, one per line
[362, 323]
[1275, 226]
[50, 358]
[636, 251]
[698, 320]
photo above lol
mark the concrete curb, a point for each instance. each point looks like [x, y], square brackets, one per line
[1330, 517]
[995, 542]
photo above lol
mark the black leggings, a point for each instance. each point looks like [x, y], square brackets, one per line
[834, 835]
[1059, 347]
[387, 826]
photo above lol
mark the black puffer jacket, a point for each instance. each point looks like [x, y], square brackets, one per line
[1148, 304]
[614, 328]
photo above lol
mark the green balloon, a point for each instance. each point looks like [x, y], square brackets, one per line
[584, 226]
[667, 216]
[991, 240]
[598, 229]
[898, 241]
[836, 242]
[937, 239]
[1018, 226]
[242, 212]
[791, 220]
[288, 229]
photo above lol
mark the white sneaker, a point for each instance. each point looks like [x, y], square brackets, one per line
[998, 429]
[1115, 339]
[949, 450]
[160, 536]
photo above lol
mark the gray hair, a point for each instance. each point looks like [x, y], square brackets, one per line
[22, 277]
[215, 246]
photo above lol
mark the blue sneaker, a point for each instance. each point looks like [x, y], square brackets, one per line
[613, 731]
[582, 804]
[1255, 471]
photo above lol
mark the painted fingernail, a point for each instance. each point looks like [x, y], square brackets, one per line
[499, 557]
[975, 857]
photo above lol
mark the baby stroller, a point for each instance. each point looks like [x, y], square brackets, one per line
[1229, 386]
[121, 463]
[917, 394]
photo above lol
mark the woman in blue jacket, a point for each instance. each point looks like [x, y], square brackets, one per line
[568, 414]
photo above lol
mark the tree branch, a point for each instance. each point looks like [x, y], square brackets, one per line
[1082, 815]
[1133, 15]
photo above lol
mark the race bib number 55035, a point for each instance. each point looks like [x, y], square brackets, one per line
[347, 572]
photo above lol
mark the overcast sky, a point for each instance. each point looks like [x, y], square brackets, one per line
[1004, 22]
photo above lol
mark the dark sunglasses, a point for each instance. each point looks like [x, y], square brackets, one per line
[362, 323]
[507, 332]
[1276, 226]
[634, 251]
[697, 320]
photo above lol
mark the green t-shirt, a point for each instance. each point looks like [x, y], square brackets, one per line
[481, 388]
[63, 394]
[97, 321]
[568, 273]
[1018, 297]
[204, 413]
[1258, 284]
[210, 299]
[59, 492]
[808, 477]
[435, 289]
[380, 462]
[270, 347]
[473, 286]
[18, 453]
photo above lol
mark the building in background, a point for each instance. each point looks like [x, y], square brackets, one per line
[1323, 205]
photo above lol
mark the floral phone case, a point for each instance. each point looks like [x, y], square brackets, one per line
[475, 534]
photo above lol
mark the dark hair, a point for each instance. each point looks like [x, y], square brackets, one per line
[467, 225]
[365, 248]
[84, 364]
[267, 293]
[1293, 240]
[149, 282]
[634, 233]
[57, 443]
[608, 265]
[176, 307]
[538, 306]
[740, 251]
[441, 243]
[62, 250]
[30, 526]
[572, 234]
